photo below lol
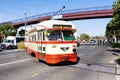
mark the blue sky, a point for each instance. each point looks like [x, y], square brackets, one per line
[14, 9]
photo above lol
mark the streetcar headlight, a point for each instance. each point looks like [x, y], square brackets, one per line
[54, 46]
[74, 50]
[73, 45]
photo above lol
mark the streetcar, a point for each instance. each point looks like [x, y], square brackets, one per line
[52, 41]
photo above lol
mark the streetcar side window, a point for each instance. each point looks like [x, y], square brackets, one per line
[32, 38]
[39, 36]
[44, 35]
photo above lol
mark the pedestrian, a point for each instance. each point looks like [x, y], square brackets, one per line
[103, 42]
[98, 42]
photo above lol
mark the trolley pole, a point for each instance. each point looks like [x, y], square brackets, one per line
[58, 11]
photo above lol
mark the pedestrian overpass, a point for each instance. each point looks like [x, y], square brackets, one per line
[73, 14]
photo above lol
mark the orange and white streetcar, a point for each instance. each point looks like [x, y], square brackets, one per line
[52, 41]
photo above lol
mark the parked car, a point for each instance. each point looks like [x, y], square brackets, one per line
[92, 41]
[11, 42]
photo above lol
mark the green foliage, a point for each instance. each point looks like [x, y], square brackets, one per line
[115, 45]
[97, 37]
[116, 7]
[7, 30]
[109, 31]
[113, 27]
[118, 57]
[22, 32]
[84, 37]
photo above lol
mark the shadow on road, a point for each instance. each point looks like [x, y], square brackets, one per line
[66, 63]
[114, 50]
[117, 61]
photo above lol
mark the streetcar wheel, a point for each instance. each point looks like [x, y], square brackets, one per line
[32, 54]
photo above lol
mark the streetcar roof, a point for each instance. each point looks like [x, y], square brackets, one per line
[49, 24]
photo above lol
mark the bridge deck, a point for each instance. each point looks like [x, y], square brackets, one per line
[74, 14]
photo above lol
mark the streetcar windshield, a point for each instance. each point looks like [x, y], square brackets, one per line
[68, 35]
[61, 35]
[55, 35]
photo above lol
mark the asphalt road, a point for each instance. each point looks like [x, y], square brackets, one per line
[95, 63]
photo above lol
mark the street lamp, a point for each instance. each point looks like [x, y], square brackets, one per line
[25, 13]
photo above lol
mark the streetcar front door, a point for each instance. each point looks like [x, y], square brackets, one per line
[41, 45]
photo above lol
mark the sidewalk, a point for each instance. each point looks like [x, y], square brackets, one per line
[116, 53]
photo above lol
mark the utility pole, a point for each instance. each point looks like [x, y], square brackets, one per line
[25, 13]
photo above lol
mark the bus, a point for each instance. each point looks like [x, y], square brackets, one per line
[52, 41]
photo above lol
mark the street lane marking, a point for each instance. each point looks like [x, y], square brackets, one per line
[84, 47]
[34, 75]
[15, 62]
[92, 47]
[118, 71]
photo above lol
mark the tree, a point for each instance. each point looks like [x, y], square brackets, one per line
[109, 31]
[84, 36]
[113, 27]
[7, 30]
[1, 37]
[97, 37]
[22, 32]
[115, 22]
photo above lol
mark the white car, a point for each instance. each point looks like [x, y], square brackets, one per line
[92, 41]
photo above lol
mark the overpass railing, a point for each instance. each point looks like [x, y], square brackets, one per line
[62, 12]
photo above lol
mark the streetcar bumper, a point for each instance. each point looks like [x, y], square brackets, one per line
[54, 59]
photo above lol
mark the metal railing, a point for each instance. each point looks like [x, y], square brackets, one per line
[61, 12]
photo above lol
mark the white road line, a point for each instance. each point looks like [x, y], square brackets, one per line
[117, 77]
[93, 47]
[118, 71]
[83, 47]
[15, 62]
